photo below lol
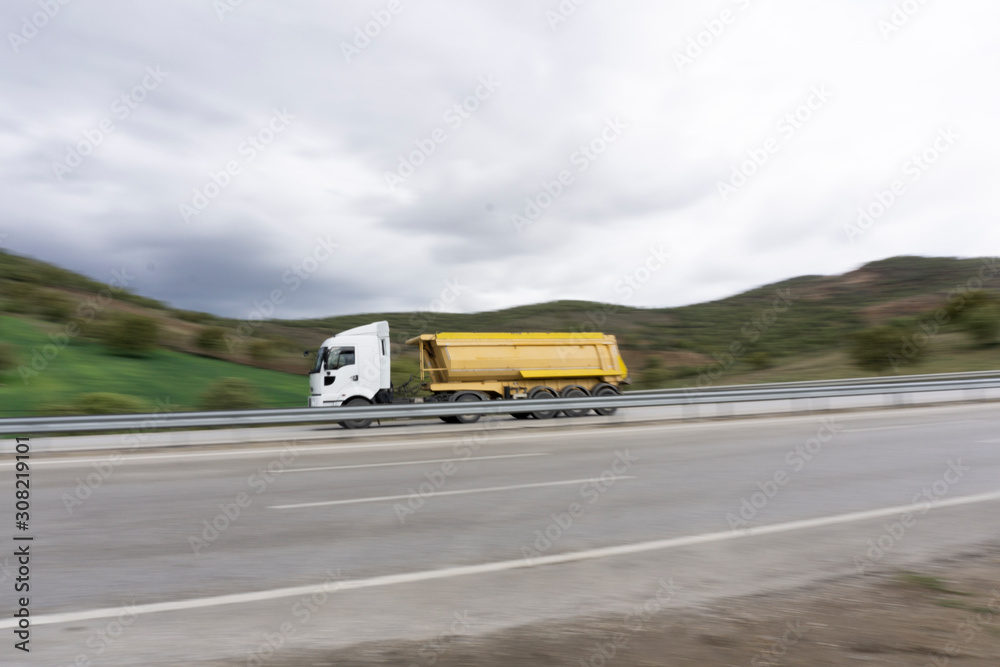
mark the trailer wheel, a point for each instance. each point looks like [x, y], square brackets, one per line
[356, 402]
[606, 390]
[466, 397]
[574, 391]
[542, 393]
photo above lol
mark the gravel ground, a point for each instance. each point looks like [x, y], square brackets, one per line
[945, 613]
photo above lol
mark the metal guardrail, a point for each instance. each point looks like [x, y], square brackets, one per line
[729, 394]
[892, 379]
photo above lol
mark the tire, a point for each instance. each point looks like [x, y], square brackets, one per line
[543, 393]
[606, 390]
[574, 391]
[443, 398]
[356, 402]
[466, 397]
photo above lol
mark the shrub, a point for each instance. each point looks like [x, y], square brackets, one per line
[284, 344]
[230, 394]
[262, 350]
[92, 328]
[24, 298]
[879, 348]
[760, 360]
[98, 403]
[653, 375]
[130, 335]
[8, 357]
[961, 308]
[870, 348]
[192, 316]
[19, 297]
[210, 339]
[982, 323]
[143, 301]
[53, 306]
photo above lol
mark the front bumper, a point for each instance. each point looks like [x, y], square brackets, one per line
[318, 402]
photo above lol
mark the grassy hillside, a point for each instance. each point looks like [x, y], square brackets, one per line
[801, 328]
[166, 376]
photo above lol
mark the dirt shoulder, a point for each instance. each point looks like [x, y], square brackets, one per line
[944, 613]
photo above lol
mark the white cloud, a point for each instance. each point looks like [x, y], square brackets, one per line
[656, 184]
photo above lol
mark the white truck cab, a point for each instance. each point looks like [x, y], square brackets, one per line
[352, 368]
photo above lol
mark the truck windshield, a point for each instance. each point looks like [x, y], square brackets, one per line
[320, 360]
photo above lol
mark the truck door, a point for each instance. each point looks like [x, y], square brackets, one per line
[341, 376]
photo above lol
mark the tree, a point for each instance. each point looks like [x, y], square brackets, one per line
[879, 348]
[230, 394]
[982, 323]
[211, 339]
[130, 335]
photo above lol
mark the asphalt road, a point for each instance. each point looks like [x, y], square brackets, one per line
[416, 537]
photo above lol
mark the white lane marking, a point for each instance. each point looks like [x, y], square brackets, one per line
[498, 566]
[458, 459]
[376, 499]
[989, 442]
[918, 425]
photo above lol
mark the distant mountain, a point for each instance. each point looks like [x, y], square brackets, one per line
[815, 311]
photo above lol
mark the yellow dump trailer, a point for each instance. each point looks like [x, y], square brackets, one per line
[490, 366]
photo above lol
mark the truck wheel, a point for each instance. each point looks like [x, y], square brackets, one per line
[543, 393]
[466, 397]
[606, 390]
[574, 391]
[356, 402]
[444, 398]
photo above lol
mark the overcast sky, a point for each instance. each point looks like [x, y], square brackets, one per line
[587, 145]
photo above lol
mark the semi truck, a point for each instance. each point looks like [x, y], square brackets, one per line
[353, 369]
